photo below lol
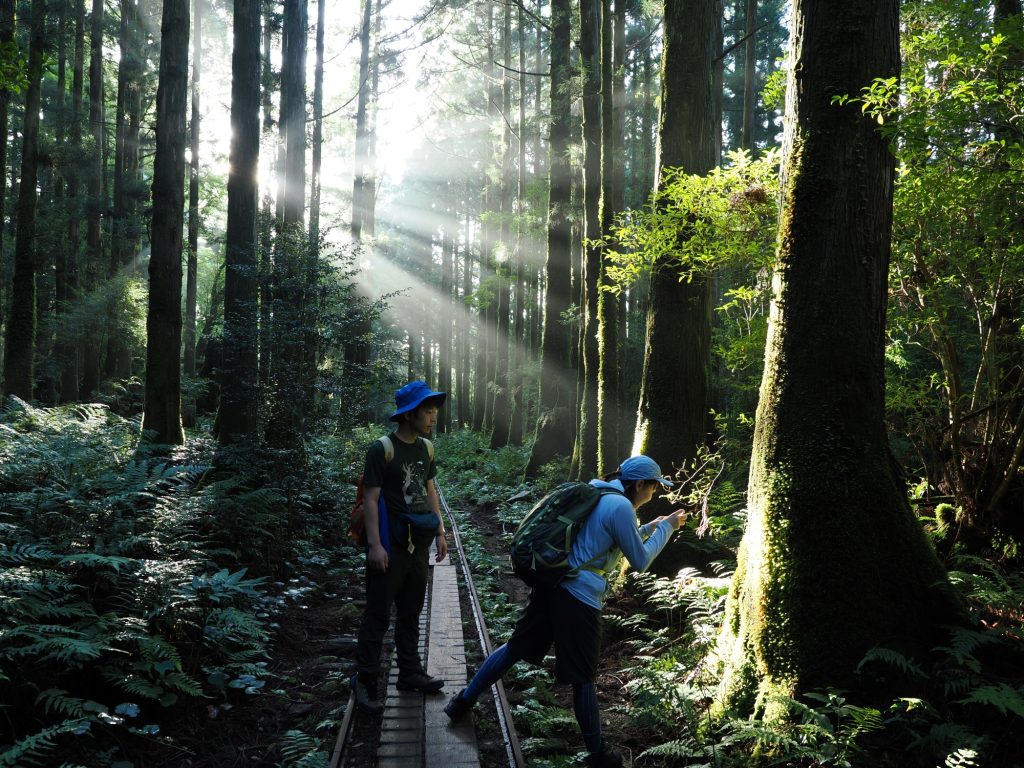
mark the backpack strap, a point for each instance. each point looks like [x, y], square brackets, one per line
[430, 447]
[589, 565]
[389, 448]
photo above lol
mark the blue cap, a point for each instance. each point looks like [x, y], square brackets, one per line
[409, 397]
[642, 468]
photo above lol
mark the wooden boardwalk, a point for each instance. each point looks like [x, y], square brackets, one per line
[415, 732]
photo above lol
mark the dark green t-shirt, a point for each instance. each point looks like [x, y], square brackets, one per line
[403, 484]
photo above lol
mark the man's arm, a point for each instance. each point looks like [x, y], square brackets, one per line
[377, 556]
[434, 502]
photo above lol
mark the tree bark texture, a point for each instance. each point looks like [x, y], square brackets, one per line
[163, 324]
[91, 349]
[832, 562]
[293, 111]
[67, 350]
[361, 146]
[292, 396]
[505, 271]
[19, 347]
[192, 264]
[554, 427]
[6, 36]
[318, 130]
[590, 61]
[237, 420]
[609, 401]
[673, 411]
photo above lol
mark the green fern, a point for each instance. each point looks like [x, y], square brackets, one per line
[1002, 696]
[893, 659]
[33, 747]
[300, 750]
[677, 749]
[962, 758]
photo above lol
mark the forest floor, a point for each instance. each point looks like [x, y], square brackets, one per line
[307, 687]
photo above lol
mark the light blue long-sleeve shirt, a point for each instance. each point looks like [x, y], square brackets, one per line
[610, 532]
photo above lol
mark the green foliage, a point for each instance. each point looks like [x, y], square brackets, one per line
[13, 67]
[695, 225]
[957, 272]
[300, 750]
[106, 592]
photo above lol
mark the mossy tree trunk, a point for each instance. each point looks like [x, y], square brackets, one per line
[832, 562]
[590, 62]
[673, 410]
[609, 400]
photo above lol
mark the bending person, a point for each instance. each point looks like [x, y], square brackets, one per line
[569, 614]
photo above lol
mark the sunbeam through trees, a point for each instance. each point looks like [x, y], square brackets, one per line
[776, 247]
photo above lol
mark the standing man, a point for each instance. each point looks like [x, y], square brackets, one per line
[399, 477]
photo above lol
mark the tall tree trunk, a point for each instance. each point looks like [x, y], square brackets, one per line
[126, 229]
[499, 436]
[370, 171]
[553, 436]
[68, 343]
[590, 56]
[267, 217]
[163, 324]
[609, 402]
[487, 344]
[238, 396]
[6, 38]
[192, 269]
[318, 130]
[673, 411]
[828, 512]
[359, 159]
[749, 76]
[626, 414]
[293, 111]
[292, 395]
[19, 367]
[444, 359]
[521, 338]
[64, 349]
[91, 349]
[465, 414]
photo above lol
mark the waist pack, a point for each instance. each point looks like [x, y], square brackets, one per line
[544, 539]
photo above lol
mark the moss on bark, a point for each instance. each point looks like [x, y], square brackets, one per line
[833, 561]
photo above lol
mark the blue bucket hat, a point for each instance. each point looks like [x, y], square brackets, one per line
[642, 468]
[409, 397]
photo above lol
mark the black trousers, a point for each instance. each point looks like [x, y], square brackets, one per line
[404, 585]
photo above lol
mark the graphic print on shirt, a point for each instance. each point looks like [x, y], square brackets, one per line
[412, 485]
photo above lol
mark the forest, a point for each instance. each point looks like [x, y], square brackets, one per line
[776, 246]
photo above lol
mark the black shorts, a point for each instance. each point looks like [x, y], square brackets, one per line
[553, 615]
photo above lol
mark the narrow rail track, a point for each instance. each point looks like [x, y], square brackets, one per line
[423, 738]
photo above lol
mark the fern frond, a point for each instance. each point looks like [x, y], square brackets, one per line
[893, 659]
[27, 554]
[32, 747]
[1002, 697]
[677, 749]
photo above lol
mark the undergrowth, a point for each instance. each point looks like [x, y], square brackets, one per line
[961, 707]
[136, 583]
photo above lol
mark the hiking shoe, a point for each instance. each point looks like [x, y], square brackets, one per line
[458, 707]
[366, 696]
[419, 681]
[604, 759]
